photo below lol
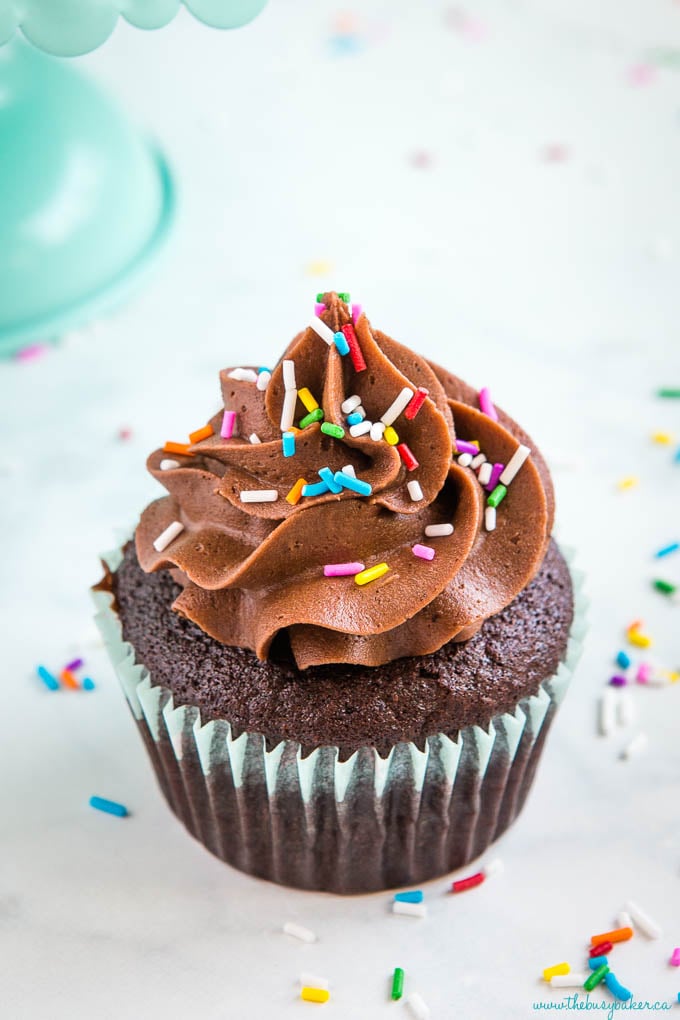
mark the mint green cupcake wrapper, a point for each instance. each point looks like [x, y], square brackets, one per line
[316, 822]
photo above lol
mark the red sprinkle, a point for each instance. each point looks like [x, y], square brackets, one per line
[354, 349]
[601, 949]
[416, 402]
[407, 456]
[468, 883]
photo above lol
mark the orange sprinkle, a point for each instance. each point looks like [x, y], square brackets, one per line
[199, 434]
[295, 493]
[177, 448]
[69, 680]
[619, 935]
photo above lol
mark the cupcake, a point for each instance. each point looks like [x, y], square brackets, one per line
[345, 630]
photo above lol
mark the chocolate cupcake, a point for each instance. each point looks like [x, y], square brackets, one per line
[345, 631]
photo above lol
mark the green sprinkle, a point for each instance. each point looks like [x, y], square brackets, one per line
[319, 299]
[397, 983]
[310, 418]
[595, 978]
[497, 496]
[670, 393]
[344, 296]
[332, 430]
[665, 587]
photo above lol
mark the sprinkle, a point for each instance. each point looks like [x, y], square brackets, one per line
[558, 968]
[675, 958]
[299, 932]
[618, 681]
[494, 867]
[242, 375]
[478, 461]
[465, 459]
[418, 1007]
[484, 475]
[47, 678]
[490, 518]
[416, 403]
[344, 296]
[354, 348]
[667, 550]
[623, 660]
[307, 399]
[317, 489]
[167, 464]
[616, 988]
[288, 410]
[397, 406]
[669, 394]
[74, 664]
[88, 684]
[438, 530]
[263, 378]
[643, 921]
[69, 680]
[641, 74]
[355, 418]
[639, 640]
[377, 431]
[228, 422]
[312, 980]
[410, 462]
[356, 313]
[390, 436]
[199, 434]
[341, 343]
[310, 418]
[328, 477]
[342, 569]
[320, 300]
[412, 896]
[636, 745]
[355, 484]
[644, 673]
[362, 428]
[319, 308]
[397, 984]
[665, 587]
[628, 483]
[514, 464]
[596, 961]
[573, 980]
[494, 477]
[462, 884]
[168, 536]
[321, 329]
[463, 447]
[289, 375]
[254, 438]
[414, 491]
[409, 909]
[371, 573]
[258, 495]
[315, 994]
[329, 429]
[295, 493]
[423, 552]
[601, 948]
[486, 404]
[497, 496]
[348, 469]
[177, 448]
[350, 404]
[623, 920]
[109, 806]
[606, 712]
[663, 438]
[30, 352]
[595, 978]
[288, 441]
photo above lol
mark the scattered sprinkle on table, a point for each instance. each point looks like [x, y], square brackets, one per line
[410, 896]
[662, 438]
[48, 678]
[397, 984]
[628, 483]
[575, 979]
[642, 921]
[409, 909]
[109, 807]
[665, 587]
[675, 957]
[635, 746]
[298, 931]
[596, 977]
[670, 393]
[313, 980]
[315, 994]
[666, 550]
[557, 968]
[601, 948]
[418, 1007]
[616, 988]
[69, 680]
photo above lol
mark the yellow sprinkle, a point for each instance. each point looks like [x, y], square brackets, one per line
[628, 483]
[665, 438]
[315, 994]
[559, 968]
[295, 493]
[474, 442]
[320, 267]
[199, 434]
[371, 573]
[307, 399]
[672, 676]
[638, 639]
[390, 436]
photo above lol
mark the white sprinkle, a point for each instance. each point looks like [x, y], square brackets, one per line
[624, 920]
[643, 921]
[490, 518]
[494, 867]
[478, 461]
[625, 714]
[484, 475]
[606, 712]
[288, 409]
[308, 980]
[258, 495]
[409, 909]
[414, 491]
[397, 406]
[263, 380]
[514, 464]
[465, 459]
[243, 374]
[289, 375]
[349, 470]
[254, 438]
[435, 530]
[362, 429]
[577, 979]
[377, 431]
[299, 932]
[360, 410]
[167, 536]
[418, 1007]
[636, 745]
[168, 465]
[321, 329]
[349, 404]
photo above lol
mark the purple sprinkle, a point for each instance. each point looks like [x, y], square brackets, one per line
[618, 681]
[496, 472]
[462, 447]
[74, 664]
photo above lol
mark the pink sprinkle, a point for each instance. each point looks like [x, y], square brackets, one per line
[31, 352]
[319, 308]
[423, 552]
[496, 472]
[555, 153]
[486, 404]
[641, 74]
[343, 569]
[228, 423]
[74, 664]
[356, 312]
[644, 673]
[124, 434]
[675, 958]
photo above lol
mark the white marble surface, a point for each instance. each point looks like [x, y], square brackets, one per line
[553, 283]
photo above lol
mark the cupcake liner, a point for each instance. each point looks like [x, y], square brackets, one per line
[361, 825]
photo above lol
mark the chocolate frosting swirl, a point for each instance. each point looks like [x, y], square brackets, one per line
[253, 572]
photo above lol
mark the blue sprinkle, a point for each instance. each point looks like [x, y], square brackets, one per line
[667, 550]
[354, 418]
[623, 660]
[47, 678]
[596, 961]
[327, 475]
[87, 684]
[341, 343]
[262, 369]
[109, 806]
[677, 461]
[617, 989]
[315, 490]
[355, 484]
[288, 444]
[415, 896]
